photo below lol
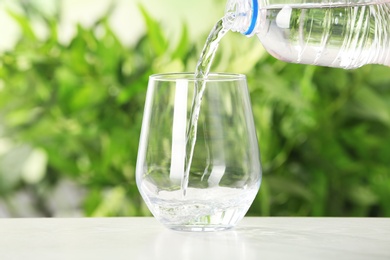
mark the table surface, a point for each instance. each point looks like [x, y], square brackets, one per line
[144, 238]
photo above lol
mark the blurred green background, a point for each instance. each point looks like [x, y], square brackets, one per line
[73, 76]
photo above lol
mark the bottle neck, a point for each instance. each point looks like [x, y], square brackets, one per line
[242, 16]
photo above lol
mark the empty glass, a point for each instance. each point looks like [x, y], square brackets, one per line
[224, 174]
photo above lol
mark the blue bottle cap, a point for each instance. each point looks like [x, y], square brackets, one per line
[255, 14]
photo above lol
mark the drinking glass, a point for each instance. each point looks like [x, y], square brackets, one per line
[214, 188]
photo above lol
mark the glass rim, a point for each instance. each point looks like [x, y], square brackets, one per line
[190, 76]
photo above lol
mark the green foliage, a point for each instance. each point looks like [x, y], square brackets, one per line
[72, 111]
[325, 138]
[81, 103]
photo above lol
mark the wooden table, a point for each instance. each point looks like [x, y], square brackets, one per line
[259, 238]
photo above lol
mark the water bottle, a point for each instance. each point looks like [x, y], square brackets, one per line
[335, 33]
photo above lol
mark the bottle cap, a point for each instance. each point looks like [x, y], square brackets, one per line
[255, 14]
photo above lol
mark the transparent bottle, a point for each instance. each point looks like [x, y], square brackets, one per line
[335, 33]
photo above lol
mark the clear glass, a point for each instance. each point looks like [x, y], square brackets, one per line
[225, 172]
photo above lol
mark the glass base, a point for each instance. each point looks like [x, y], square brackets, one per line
[199, 228]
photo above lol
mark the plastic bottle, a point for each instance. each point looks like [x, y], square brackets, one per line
[335, 33]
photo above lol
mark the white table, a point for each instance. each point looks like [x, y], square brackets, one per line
[259, 238]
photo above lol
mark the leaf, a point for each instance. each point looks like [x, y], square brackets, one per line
[24, 24]
[53, 25]
[157, 39]
[109, 51]
[182, 47]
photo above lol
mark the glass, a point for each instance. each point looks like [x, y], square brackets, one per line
[225, 172]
